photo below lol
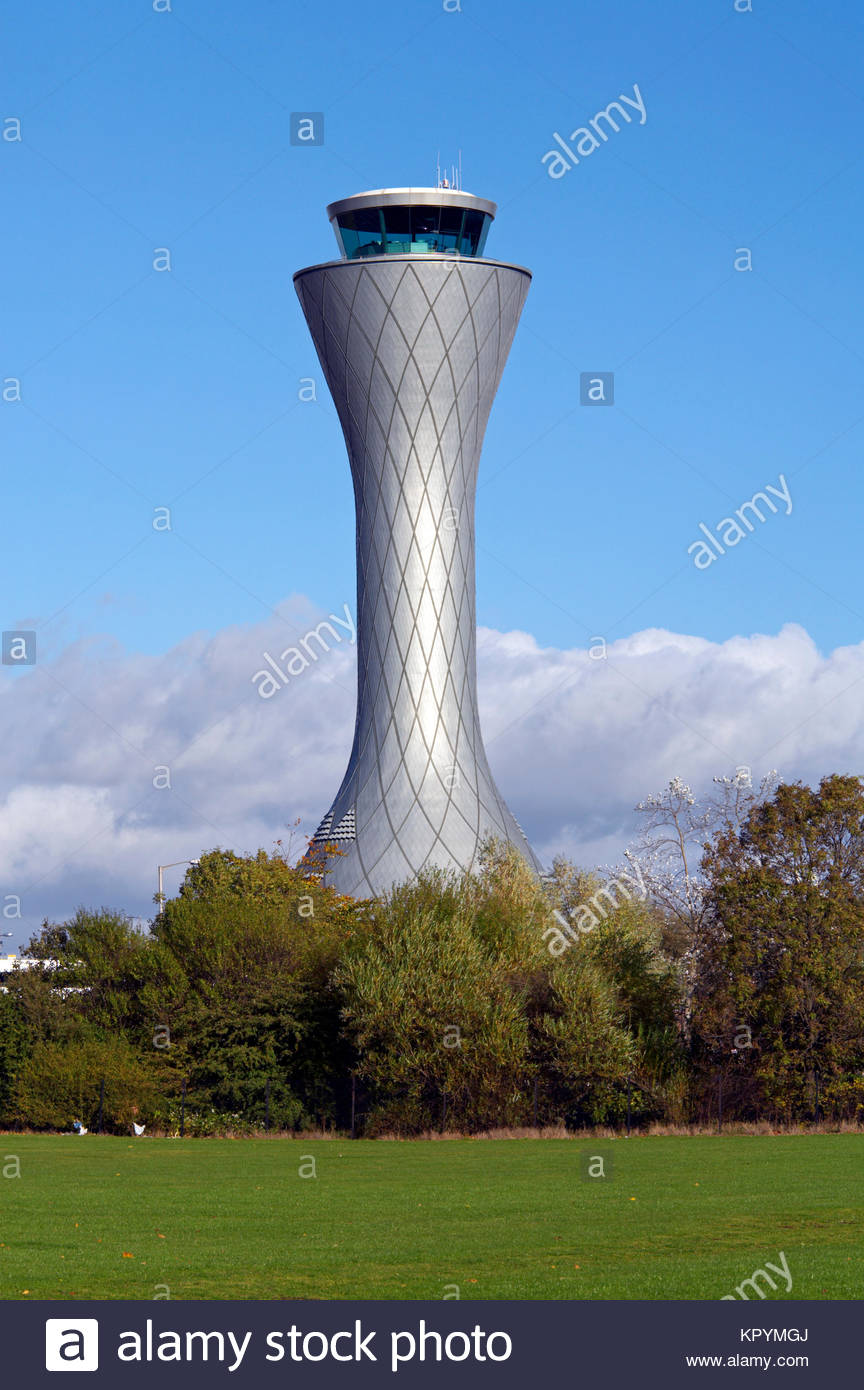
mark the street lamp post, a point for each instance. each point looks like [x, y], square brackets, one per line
[159, 867]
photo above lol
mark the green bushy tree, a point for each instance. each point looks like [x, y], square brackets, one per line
[454, 992]
[780, 996]
[240, 977]
[61, 1081]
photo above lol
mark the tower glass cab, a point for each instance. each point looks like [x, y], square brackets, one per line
[411, 222]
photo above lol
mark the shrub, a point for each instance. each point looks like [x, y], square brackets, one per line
[61, 1082]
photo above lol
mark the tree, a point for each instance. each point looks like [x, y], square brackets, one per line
[675, 832]
[241, 978]
[783, 968]
[432, 1012]
[625, 950]
[455, 992]
[16, 1043]
[60, 1082]
[259, 877]
[96, 962]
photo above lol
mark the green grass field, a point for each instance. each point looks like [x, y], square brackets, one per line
[684, 1217]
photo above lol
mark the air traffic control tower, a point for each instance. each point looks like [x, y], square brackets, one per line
[412, 327]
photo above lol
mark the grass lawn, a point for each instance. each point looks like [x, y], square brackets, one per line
[683, 1217]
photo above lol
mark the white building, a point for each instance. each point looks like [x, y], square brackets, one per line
[10, 962]
[13, 962]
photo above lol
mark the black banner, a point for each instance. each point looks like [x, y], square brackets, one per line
[500, 1344]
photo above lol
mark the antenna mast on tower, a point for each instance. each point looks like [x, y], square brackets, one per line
[454, 182]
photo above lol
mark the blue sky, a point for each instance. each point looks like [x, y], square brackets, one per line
[143, 129]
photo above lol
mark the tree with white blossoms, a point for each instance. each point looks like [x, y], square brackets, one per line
[675, 832]
[669, 850]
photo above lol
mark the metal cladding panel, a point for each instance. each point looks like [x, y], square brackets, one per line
[413, 349]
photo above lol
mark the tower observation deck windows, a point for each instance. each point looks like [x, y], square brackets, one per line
[413, 231]
[361, 233]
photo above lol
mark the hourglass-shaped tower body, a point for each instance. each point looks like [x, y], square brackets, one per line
[413, 327]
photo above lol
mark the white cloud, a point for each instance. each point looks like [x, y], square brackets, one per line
[574, 743]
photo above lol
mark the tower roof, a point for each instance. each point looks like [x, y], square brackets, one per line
[412, 197]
